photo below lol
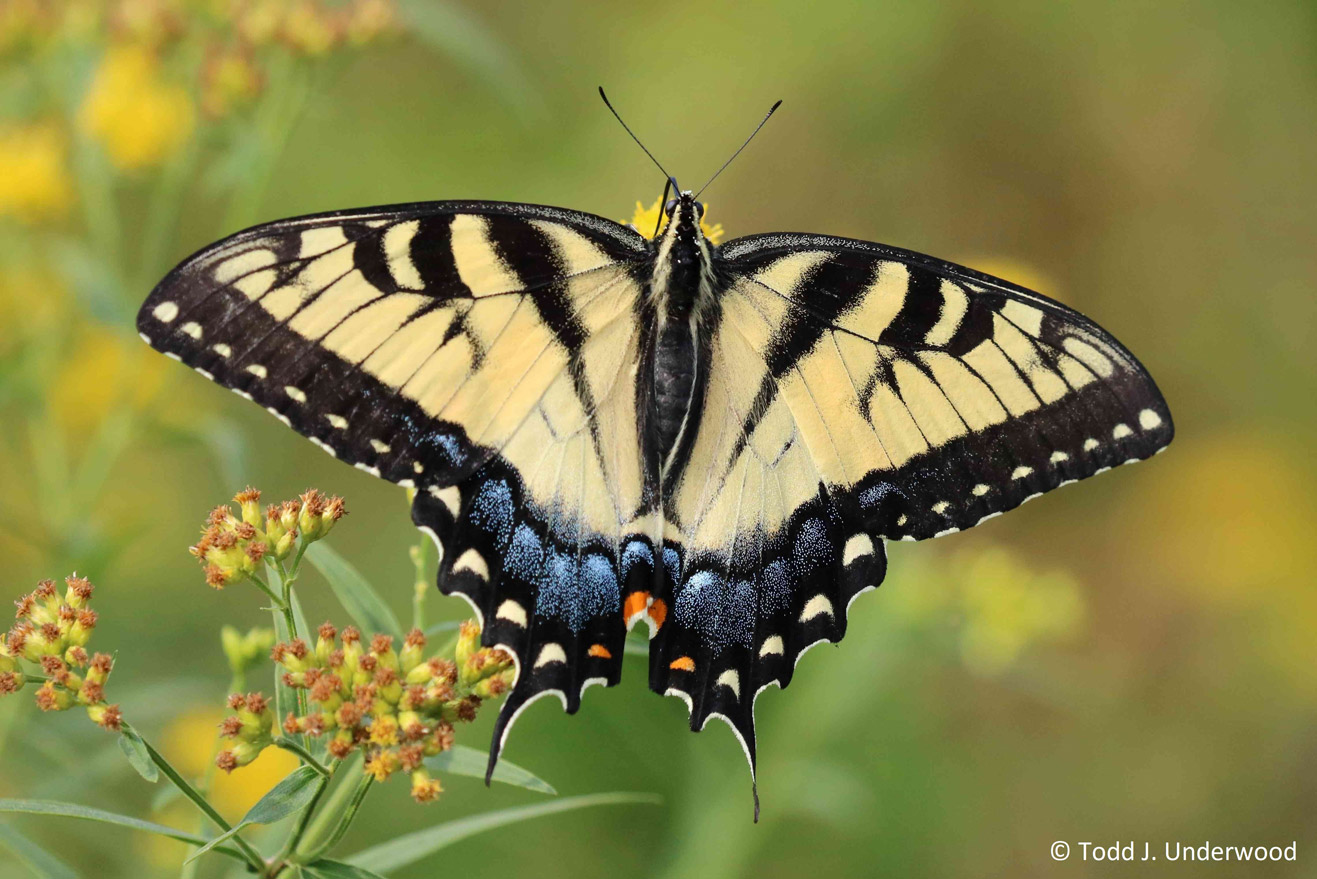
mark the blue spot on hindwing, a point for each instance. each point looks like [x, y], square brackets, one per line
[672, 563]
[636, 552]
[576, 591]
[812, 548]
[721, 611]
[525, 555]
[492, 510]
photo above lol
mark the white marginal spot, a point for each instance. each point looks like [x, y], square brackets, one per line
[989, 516]
[172, 356]
[731, 680]
[324, 445]
[295, 393]
[1031, 497]
[381, 448]
[1101, 470]
[1090, 444]
[1148, 419]
[772, 646]
[191, 328]
[472, 561]
[450, 496]
[416, 465]
[221, 349]
[945, 533]
[165, 312]
[980, 490]
[901, 520]
[512, 612]
[144, 337]
[257, 370]
[551, 653]
[1120, 431]
[1021, 472]
[816, 606]
[682, 695]
[940, 507]
[241, 393]
[857, 546]
[204, 374]
[373, 471]
[407, 483]
[1059, 457]
[336, 421]
[284, 418]
[910, 538]
[1068, 482]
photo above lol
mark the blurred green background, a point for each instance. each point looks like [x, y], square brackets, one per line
[1130, 659]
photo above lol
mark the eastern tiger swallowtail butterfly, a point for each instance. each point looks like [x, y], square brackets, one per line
[604, 429]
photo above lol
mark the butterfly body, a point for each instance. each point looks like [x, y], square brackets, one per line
[606, 430]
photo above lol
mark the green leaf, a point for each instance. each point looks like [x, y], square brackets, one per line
[440, 628]
[464, 760]
[292, 793]
[135, 750]
[74, 810]
[631, 647]
[33, 856]
[354, 592]
[412, 847]
[327, 868]
[285, 698]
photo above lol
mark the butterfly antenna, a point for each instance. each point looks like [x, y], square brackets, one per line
[633, 134]
[767, 116]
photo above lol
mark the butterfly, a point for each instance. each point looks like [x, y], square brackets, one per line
[605, 429]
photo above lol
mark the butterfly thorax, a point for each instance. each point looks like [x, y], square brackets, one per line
[681, 289]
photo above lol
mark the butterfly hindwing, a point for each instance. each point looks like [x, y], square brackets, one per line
[482, 353]
[858, 393]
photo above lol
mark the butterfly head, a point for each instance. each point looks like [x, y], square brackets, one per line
[684, 214]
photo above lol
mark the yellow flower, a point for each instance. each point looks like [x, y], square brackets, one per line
[138, 117]
[128, 375]
[33, 166]
[645, 218]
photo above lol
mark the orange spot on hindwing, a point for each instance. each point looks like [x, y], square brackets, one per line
[600, 651]
[658, 612]
[636, 603]
[682, 663]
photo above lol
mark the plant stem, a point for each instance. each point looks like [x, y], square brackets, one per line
[260, 584]
[358, 794]
[318, 830]
[253, 857]
[303, 820]
[306, 756]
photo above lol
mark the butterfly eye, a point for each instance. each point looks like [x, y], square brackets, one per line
[670, 207]
[699, 210]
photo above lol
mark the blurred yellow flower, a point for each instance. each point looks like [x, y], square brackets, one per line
[189, 743]
[33, 165]
[1008, 607]
[33, 300]
[106, 372]
[309, 29]
[138, 117]
[996, 606]
[229, 79]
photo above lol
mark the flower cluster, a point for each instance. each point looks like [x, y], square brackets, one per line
[52, 631]
[246, 733]
[397, 706]
[233, 547]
